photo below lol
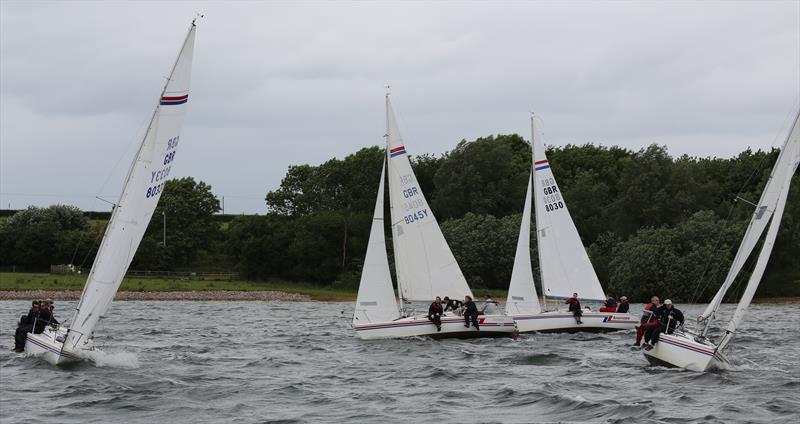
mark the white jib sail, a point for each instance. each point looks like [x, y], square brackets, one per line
[425, 266]
[376, 301]
[522, 298]
[143, 187]
[563, 260]
[761, 216]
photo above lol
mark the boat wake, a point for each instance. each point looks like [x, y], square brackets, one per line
[112, 359]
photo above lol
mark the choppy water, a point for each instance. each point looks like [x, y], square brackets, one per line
[299, 362]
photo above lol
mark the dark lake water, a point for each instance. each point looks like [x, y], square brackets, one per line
[258, 362]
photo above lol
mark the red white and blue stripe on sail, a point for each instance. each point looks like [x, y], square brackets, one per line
[541, 164]
[174, 100]
[397, 151]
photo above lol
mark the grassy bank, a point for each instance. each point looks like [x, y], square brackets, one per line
[24, 281]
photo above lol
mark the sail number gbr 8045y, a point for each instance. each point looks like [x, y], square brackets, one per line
[158, 178]
[551, 196]
[413, 205]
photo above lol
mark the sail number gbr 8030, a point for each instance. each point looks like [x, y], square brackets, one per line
[413, 204]
[552, 198]
[159, 177]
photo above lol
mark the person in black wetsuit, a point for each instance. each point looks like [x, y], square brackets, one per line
[623, 306]
[435, 312]
[575, 307]
[452, 304]
[470, 313]
[669, 318]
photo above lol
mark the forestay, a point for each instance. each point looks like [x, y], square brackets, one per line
[424, 263]
[143, 187]
[376, 301]
[564, 263]
[521, 291]
[782, 173]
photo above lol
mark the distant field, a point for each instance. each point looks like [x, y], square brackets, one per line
[25, 281]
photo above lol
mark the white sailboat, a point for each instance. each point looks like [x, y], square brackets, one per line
[695, 350]
[564, 263]
[425, 266]
[129, 219]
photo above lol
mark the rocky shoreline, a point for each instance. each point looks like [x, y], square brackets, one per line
[162, 295]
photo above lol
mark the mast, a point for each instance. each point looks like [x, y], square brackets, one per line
[533, 176]
[400, 296]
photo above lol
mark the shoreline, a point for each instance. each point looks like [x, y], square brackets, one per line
[201, 295]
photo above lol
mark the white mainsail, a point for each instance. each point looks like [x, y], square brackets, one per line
[522, 298]
[564, 263]
[425, 266]
[143, 187]
[781, 174]
[376, 301]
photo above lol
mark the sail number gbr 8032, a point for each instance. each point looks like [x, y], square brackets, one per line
[158, 178]
[552, 198]
[413, 204]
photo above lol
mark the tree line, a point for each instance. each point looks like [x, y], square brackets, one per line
[652, 223]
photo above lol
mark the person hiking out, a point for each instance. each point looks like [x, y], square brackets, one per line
[575, 307]
[669, 318]
[648, 319]
[435, 312]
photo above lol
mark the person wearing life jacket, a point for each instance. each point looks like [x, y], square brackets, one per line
[435, 312]
[470, 313]
[610, 305]
[575, 307]
[648, 319]
[623, 306]
[668, 319]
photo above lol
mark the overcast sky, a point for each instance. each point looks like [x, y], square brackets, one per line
[280, 83]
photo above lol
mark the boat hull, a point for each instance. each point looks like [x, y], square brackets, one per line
[564, 322]
[452, 327]
[47, 347]
[684, 351]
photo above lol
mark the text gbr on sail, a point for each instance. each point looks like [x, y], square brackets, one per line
[160, 175]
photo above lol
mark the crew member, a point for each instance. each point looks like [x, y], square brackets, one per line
[575, 307]
[489, 306]
[435, 312]
[669, 318]
[623, 306]
[452, 304]
[25, 326]
[648, 319]
[610, 305]
[470, 313]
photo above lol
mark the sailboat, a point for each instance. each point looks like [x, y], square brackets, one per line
[564, 263]
[129, 219]
[424, 263]
[695, 351]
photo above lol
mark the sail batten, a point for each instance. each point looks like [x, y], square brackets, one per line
[143, 186]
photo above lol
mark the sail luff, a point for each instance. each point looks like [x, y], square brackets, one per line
[759, 220]
[129, 219]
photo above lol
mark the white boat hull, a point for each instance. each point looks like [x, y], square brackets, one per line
[452, 327]
[47, 347]
[685, 351]
[563, 321]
